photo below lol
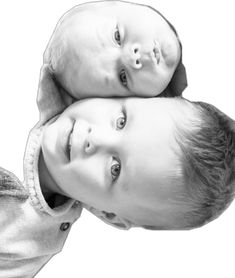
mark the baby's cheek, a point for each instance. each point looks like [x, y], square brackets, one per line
[151, 94]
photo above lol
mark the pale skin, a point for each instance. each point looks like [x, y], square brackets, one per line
[119, 158]
[114, 48]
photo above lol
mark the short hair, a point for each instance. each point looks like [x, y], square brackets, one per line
[207, 159]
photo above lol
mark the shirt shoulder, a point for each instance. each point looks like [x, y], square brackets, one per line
[11, 186]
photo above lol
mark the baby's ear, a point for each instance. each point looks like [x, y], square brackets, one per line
[51, 98]
[111, 219]
[179, 80]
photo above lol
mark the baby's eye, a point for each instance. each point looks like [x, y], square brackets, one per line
[117, 36]
[123, 77]
[121, 122]
[115, 170]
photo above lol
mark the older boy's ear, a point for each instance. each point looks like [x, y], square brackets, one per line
[111, 219]
[51, 98]
[179, 80]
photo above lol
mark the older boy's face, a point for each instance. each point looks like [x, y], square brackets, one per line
[116, 155]
[121, 49]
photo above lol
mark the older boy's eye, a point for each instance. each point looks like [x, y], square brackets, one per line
[115, 170]
[117, 36]
[121, 122]
[123, 77]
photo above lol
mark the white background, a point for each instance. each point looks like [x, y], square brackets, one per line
[93, 249]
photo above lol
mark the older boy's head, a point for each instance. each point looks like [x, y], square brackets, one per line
[158, 163]
[113, 48]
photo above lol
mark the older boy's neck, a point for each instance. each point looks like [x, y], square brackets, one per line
[48, 185]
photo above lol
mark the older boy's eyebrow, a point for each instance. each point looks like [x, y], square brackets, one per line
[122, 180]
[130, 83]
[113, 83]
[106, 81]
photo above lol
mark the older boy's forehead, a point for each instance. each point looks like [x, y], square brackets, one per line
[151, 179]
[152, 107]
[150, 144]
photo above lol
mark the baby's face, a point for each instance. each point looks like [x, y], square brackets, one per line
[119, 49]
[117, 155]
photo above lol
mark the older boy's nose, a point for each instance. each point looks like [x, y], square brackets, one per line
[98, 140]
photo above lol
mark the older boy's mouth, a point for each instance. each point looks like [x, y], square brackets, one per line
[69, 143]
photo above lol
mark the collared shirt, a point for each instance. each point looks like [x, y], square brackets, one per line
[31, 232]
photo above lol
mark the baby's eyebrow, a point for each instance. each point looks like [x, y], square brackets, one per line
[130, 81]
[106, 81]
[112, 82]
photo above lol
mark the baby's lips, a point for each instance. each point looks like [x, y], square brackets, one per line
[156, 54]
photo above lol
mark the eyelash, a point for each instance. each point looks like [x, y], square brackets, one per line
[123, 117]
[123, 77]
[117, 36]
[117, 166]
[114, 167]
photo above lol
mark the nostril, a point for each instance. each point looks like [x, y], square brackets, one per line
[88, 148]
[135, 50]
[137, 62]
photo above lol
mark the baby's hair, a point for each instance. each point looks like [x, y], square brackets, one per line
[207, 158]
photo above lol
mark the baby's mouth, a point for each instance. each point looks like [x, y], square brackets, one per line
[156, 52]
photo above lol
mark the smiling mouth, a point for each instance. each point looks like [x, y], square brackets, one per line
[69, 144]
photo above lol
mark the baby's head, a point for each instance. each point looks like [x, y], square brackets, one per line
[115, 48]
[161, 163]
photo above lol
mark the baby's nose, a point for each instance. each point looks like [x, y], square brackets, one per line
[132, 56]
